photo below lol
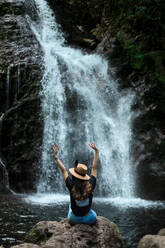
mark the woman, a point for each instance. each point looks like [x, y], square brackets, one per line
[81, 188]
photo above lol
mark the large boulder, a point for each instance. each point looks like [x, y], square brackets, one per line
[53, 234]
[151, 241]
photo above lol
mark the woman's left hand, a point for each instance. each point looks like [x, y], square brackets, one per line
[55, 150]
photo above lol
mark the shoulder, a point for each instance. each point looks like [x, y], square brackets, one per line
[92, 178]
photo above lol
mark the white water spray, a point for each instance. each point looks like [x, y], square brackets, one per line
[81, 104]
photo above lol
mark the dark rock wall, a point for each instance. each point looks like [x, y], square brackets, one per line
[20, 76]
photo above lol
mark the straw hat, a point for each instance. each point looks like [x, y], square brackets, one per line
[80, 172]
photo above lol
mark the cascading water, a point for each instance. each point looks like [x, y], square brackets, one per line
[81, 104]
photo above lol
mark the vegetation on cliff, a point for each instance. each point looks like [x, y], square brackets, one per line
[138, 25]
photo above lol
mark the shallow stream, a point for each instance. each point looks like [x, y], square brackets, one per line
[134, 217]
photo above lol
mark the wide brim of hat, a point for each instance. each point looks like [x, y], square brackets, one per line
[72, 171]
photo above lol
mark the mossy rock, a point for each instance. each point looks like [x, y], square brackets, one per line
[32, 236]
[37, 236]
[7, 8]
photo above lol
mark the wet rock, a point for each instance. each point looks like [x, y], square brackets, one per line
[161, 232]
[19, 50]
[61, 234]
[76, 22]
[150, 241]
[21, 142]
[3, 188]
[20, 77]
[25, 245]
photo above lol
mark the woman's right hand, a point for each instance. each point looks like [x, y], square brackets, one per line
[55, 150]
[93, 146]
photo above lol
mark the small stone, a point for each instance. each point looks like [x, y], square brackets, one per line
[162, 232]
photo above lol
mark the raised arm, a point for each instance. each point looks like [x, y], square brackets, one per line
[95, 160]
[59, 163]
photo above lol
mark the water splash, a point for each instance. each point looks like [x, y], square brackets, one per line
[81, 104]
[119, 202]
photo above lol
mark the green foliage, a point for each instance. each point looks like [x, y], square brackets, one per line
[32, 236]
[137, 24]
[6, 8]
[37, 236]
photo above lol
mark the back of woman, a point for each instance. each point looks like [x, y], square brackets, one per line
[81, 187]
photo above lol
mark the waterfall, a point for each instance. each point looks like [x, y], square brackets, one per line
[82, 104]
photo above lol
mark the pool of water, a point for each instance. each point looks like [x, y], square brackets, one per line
[134, 217]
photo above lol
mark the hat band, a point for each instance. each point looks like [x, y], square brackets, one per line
[81, 174]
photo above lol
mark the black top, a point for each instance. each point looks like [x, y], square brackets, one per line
[81, 207]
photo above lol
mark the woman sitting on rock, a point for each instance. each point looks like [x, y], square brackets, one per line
[81, 187]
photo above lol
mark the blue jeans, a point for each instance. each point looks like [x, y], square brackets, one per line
[88, 219]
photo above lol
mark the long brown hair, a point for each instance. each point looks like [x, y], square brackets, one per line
[81, 189]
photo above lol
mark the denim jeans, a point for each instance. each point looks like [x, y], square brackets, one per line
[87, 219]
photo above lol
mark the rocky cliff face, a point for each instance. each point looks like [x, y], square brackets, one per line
[20, 75]
[131, 36]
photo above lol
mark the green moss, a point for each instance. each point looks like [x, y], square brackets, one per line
[158, 59]
[152, 62]
[32, 236]
[3, 68]
[17, 11]
[160, 77]
[2, 35]
[4, 9]
[137, 63]
[37, 236]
